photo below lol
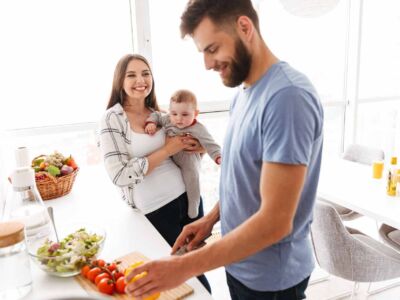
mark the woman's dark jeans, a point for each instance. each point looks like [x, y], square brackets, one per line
[239, 291]
[170, 219]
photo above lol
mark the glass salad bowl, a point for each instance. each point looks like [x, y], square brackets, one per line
[78, 244]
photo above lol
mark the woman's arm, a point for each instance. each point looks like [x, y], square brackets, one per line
[193, 145]
[122, 169]
[172, 146]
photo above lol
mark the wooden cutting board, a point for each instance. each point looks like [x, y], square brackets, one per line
[175, 294]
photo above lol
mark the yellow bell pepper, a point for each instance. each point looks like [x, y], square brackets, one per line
[138, 276]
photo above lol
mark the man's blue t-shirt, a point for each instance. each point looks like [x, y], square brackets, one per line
[278, 119]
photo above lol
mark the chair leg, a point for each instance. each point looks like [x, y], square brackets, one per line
[377, 225]
[376, 291]
[351, 293]
[354, 291]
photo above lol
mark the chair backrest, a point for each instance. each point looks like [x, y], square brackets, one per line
[363, 154]
[352, 256]
[331, 241]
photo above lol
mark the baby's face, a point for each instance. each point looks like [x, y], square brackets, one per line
[182, 114]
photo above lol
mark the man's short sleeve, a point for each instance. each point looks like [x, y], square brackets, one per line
[290, 125]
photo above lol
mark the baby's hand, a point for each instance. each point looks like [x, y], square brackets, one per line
[218, 160]
[150, 128]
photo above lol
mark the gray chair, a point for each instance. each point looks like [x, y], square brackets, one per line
[390, 235]
[348, 253]
[363, 155]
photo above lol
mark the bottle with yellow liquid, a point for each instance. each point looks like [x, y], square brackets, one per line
[392, 177]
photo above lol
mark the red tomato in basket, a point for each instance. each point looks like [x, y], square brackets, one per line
[71, 162]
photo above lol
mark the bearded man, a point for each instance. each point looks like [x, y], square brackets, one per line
[270, 169]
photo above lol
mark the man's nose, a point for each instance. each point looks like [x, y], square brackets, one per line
[209, 62]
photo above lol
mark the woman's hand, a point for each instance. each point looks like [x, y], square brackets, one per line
[174, 145]
[193, 145]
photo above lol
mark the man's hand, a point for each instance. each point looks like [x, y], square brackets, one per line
[150, 128]
[193, 234]
[162, 274]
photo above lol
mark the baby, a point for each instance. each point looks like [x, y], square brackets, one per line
[182, 121]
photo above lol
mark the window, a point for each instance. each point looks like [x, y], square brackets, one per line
[378, 110]
[378, 125]
[315, 46]
[216, 124]
[57, 59]
[177, 63]
[380, 50]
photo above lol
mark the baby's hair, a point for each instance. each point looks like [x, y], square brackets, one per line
[184, 96]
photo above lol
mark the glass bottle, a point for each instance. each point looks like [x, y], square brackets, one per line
[14, 262]
[392, 177]
[25, 203]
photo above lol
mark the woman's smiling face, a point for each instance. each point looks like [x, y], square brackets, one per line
[138, 80]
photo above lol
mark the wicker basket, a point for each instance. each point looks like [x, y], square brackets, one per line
[53, 187]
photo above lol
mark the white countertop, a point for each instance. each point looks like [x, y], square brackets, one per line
[95, 200]
[351, 185]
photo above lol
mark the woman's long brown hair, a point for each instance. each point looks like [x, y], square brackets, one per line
[117, 92]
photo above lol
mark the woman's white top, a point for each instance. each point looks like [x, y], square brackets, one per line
[164, 183]
[124, 153]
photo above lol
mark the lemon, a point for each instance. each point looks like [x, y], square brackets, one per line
[138, 276]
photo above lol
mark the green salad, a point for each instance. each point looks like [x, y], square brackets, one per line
[71, 253]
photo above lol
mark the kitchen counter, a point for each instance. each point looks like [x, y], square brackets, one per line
[95, 200]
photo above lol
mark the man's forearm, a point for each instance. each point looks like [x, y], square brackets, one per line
[248, 239]
[213, 215]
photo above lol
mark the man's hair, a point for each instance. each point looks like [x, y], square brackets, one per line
[220, 12]
[184, 96]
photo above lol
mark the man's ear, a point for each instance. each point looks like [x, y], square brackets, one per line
[245, 27]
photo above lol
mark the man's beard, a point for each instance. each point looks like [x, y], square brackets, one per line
[240, 65]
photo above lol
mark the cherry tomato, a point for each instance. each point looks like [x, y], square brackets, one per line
[100, 277]
[106, 286]
[120, 285]
[99, 263]
[91, 275]
[116, 274]
[85, 270]
[111, 267]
